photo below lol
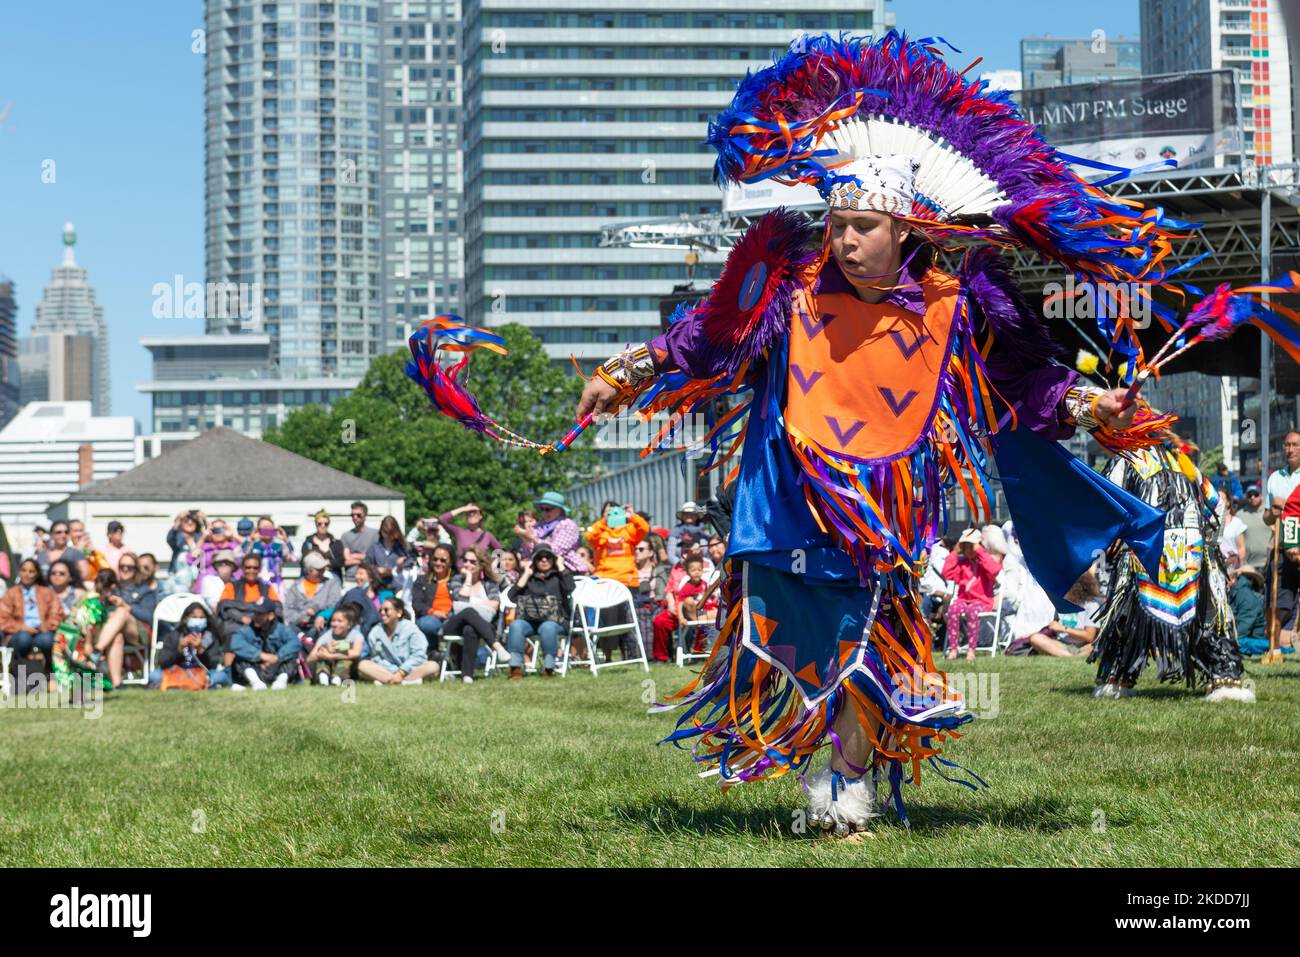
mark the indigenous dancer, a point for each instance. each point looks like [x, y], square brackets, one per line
[876, 382]
[1181, 617]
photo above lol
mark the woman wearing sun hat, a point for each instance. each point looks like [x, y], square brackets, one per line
[557, 531]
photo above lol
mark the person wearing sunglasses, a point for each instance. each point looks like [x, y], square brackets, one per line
[29, 613]
[64, 585]
[431, 600]
[324, 542]
[130, 611]
[476, 598]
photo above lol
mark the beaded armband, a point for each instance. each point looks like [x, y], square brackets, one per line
[628, 367]
[1081, 405]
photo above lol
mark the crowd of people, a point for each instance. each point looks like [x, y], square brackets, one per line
[371, 603]
[983, 570]
[378, 604]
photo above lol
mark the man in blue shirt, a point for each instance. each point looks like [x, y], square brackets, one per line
[266, 651]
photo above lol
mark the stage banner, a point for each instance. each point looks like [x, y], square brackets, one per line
[1192, 118]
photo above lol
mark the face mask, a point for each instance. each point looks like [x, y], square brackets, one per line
[196, 624]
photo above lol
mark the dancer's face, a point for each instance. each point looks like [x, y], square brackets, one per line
[867, 246]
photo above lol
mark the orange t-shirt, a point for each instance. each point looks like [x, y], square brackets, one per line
[250, 593]
[441, 599]
[615, 549]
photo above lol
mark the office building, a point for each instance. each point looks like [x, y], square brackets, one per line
[78, 364]
[10, 385]
[1249, 36]
[576, 117]
[49, 451]
[1061, 61]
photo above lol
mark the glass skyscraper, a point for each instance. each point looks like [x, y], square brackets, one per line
[293, 160]
[579, 116]
[421, 175]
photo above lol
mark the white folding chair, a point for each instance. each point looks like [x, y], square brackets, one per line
[6, 658]
[168, 610]
[994, 620]
[596, 595]
[445, 670]
[685, 657]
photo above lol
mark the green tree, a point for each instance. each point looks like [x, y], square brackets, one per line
[387, 432]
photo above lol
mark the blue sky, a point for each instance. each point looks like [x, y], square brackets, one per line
[113, 94]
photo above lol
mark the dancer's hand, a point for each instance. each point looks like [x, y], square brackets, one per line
[1111, 411]
[596, 397]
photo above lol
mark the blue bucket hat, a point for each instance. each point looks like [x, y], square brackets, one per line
[245, 526]
[554, 498]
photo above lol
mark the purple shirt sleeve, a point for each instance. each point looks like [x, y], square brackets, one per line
[680, 348]
[1035, 394]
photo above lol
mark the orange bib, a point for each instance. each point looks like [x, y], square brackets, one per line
[863, 378]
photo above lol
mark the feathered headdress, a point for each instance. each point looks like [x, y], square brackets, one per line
[871, 122]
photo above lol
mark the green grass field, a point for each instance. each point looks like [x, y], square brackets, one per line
[566, 772]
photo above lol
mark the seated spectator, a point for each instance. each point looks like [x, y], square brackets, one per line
[541, 598]
[1072, 635]
[651, 593]
[266, 651]
[683, 605]
[114, 549]
[29, 614]
[690, 520]
[397, 650]
[307, 598]
[224, 564]
[975, 573]
[272, 545]
[715, 552]
[475, 599]
[389, 553]
[325, 543]
[334, 655]
[505, 563]
[1232, 539]
[935, 591]
[73, 655]
[473, 535]
[131, 616]
[244, 536]
[204, 555]
[1246, 594]
[60, 549]
[184, 536]
[79, 538]
[191, 646]
[691, 545]
[431, 600]
[239, 599]
[62, 581]
[370, 590]
[557, 532]
[697, 604]
[613, 539]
